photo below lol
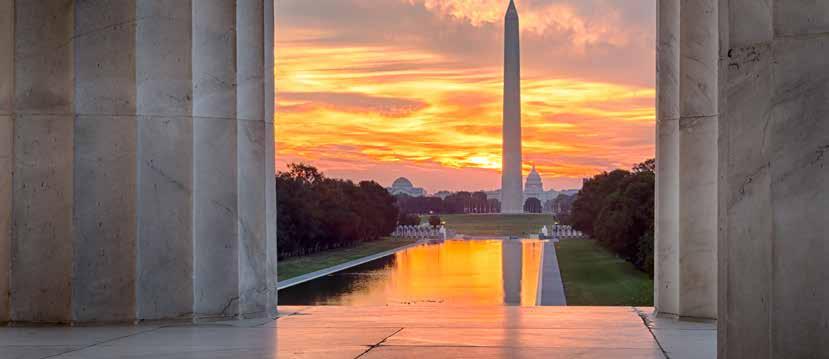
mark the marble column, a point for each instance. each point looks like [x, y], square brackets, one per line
[252, 158]
[103, 281]
[134, 187]
[269, 103]
[41, 249]
[6, 145]
[216, 247]
[165, 158]
[698, 107]
[666, 276]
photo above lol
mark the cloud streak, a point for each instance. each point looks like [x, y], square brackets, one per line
[379, 89]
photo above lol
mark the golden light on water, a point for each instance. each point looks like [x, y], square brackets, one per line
[457, 272]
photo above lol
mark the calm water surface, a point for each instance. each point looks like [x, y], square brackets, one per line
[454, 272]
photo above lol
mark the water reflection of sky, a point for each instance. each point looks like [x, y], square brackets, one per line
[467, 272]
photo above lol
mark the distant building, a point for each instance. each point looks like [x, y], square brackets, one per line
[442, 194]
[402, 185]
[533, 188]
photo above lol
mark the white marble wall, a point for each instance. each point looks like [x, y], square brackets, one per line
[140, 192]
[775, 181]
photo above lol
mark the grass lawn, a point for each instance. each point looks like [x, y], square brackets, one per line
[292, 267]
[496, 224]
[594, 276]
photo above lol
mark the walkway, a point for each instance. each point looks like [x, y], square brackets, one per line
[552, 288]
[384, 332]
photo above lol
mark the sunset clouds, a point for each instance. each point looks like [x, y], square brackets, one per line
[376, 89]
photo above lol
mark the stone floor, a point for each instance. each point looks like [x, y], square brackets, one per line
[384, 332]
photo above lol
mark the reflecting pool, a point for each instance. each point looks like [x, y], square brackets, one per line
[457, 272]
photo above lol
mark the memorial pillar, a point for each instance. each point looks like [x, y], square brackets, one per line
[165, 159]
[698, 107]
[42, 235]
[216, 248]
[105, 133]
[6, 146]
[666, 272]
[257, 258]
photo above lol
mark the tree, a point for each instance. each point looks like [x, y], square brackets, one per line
[435, 221]
[532, 205]
[616, 208]
[316, 213]
[407, 219]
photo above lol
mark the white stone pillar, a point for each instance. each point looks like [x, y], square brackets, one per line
[666, 246]
[103, 277]
[216, 249]
[41, 249]
[699, 52]
[165, 159]
[6, 145]
[254, 271]
[269, 104]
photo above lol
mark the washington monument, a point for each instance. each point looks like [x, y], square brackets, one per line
[512, 193]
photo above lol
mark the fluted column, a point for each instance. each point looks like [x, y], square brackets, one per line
[666, 276]
[6, 145]
[165, 158]
[254, 292]
[216, 247]
[699, 40]
[41, 249]
[104, 259]
[134, 187]
[269, 103]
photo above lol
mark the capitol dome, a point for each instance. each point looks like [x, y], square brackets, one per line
[401, 183]
[533, 184]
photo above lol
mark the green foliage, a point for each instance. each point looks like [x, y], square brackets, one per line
[316, 213]
[408, 219]
[593, 275]
[435, 221]
[455, 203]
[532, 205]
[617, 210]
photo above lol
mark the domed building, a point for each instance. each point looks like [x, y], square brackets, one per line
[533, 188]
[402, 185]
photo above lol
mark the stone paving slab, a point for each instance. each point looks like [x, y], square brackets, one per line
[432, 332]
[393, 352]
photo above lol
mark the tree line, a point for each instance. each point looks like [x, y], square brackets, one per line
[617, 209]
[459, 202]
[316, 213]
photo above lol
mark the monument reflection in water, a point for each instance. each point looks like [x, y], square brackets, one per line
[456, 272]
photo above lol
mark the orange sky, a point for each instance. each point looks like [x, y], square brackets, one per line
[377, 89]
